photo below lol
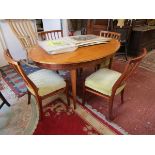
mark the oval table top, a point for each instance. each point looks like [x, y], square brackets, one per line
[80, 55]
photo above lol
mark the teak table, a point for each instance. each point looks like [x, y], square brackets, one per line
[80, 58]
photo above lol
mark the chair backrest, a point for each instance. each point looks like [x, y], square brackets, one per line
[25, 30]
[108, 34]
[17, 66]
[50, 35]
[129, 69]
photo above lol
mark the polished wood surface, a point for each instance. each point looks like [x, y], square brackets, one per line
[129, 69]
[141, 37]
[82, 57]
[94, 26]
[73, 81]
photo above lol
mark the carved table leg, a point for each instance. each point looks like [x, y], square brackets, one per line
[73, 82]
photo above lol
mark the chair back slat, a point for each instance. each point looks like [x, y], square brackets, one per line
[129, 69]
[108, 34]
[50, 35]
[25, 32]
[18, 68]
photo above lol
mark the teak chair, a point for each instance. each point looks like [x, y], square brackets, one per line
[50, 35]
[108, 34]
[41, 84]
[25, 31]
[113, 35]
[108, 83]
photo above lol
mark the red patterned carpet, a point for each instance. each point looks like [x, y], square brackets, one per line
[137, 114]
[62, 120]
[58, 120]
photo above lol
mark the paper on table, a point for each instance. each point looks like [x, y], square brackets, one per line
[86, 40]
[55, 43]
[70, 44]
[58, 46]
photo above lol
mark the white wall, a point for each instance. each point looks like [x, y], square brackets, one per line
[55, 24]
[65, 27]
[51, 24]
[2, 60]
[2, 48]
[12, 42]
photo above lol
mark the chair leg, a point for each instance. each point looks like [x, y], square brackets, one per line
[29, 97]
[97, 67]
[80, 71]
[126, 52]
[67, 94]
[84, 95]
[122, 96]
[39, 101]
[110, 116]
[110, 63]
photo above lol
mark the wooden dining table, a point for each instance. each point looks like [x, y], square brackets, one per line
[82, 57]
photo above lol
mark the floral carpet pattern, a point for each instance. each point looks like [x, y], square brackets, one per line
[58, 118]
[62, 120]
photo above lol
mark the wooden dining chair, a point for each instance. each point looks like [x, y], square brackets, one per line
[50, 35]
[26, 32]
[107, 34]
[41, 84]
[107, 83]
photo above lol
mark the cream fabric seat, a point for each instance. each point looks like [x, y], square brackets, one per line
[47, 81]
[103, 80]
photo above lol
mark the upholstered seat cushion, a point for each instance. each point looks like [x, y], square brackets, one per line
[103, 81]
[47, 81]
